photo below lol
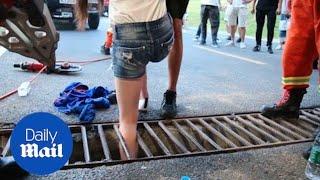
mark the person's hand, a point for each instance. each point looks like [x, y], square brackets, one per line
[278, 11]
[253, 11]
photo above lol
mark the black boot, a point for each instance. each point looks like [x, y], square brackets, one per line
[270, 51]
[287, 107]
[9, 169]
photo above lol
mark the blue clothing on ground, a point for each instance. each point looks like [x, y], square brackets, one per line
[77, 98]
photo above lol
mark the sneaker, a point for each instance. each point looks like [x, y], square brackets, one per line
[143, 105]
[196, 38]
[112, 97]
[230, 43]
[215, 44]
[257, 48]
[238, 40]
[279, 47]
[243, 45]
[168, 105]
[104, 50]
[270, 51]
[202, 42]
[287, 107]
[229, 38]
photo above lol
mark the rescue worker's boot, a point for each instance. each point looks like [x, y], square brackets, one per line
[287, 107]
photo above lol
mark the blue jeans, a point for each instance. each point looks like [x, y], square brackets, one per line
[136, 44]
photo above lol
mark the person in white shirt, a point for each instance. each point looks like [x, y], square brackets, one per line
[142, 33]
[238, 11]
[210, 10]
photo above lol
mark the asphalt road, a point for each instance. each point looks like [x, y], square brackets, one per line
[212, 81]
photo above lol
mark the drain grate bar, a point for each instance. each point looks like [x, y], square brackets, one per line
[188, 136]
[269, 128]
[217, 133]
[316, 112]
[102, 143]
[227, 129]
[203, 135]
[6, 148]
[282, 128]
[85, 144]
[122, 143]
[268, 136]
[242, 129]
[298, 129]
[306, 119]
[311, 116]
[157, 139]
[173, 139]
[143, 146]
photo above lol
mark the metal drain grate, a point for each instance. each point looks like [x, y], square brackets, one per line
[98, 144]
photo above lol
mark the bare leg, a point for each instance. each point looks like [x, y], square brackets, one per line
[228, 28]
[242, 31]
[175, 55]
[144, 87]
[233, 31]
[128, 97]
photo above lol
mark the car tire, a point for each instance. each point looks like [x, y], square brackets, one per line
[93, 20]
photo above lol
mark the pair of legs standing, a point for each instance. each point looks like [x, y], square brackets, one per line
[130, 90]
[301, 48]
[283, 27]
[271, 21]
[240, 14]
[212, 13]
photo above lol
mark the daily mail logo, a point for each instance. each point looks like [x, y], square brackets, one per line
[33, 150]
[41, 143]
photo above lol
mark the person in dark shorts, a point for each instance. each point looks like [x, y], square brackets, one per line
[176, 8]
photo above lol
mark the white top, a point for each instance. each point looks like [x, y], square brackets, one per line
[284, 9]
[238, 3]
[132, 11]
[209, 2]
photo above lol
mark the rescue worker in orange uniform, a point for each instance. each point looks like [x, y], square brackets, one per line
[302, 47]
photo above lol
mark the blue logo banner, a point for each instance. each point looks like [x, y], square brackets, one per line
[41, 143]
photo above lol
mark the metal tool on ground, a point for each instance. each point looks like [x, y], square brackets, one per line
[59, 67]
[97, 144]
[26, 28]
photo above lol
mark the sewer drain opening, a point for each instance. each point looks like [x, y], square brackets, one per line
[98, 144]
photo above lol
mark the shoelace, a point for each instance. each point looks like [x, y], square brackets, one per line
[285, 97]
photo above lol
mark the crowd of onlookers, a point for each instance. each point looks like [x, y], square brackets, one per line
[236, 18]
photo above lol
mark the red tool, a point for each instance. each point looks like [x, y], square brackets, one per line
[59, 68]
[34, 67]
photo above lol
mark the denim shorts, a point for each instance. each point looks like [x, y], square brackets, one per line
[137, 44]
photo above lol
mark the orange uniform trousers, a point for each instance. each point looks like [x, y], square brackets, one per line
[303, 43]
